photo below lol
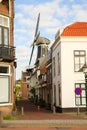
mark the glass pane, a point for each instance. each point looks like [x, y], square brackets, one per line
[5, 22]
[83, 86]
[77, 85]
[82, 60]
[83, 101]
[4, 69]
[83, 93]
[78, 101]
[76, 60]
[82, 52]
[77, 96]
[76, 67]
[6, 36]
[81, 65]
[4, 89]
[76, 52]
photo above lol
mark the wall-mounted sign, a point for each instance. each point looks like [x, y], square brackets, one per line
[78, 91]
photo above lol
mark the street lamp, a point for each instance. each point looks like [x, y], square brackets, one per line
[85, 72]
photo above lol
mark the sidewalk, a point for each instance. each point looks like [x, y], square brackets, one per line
[46, 123]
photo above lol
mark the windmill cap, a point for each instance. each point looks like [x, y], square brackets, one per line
[42, 40]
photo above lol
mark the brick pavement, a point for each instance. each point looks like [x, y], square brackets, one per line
[31, 113]
[44, 120]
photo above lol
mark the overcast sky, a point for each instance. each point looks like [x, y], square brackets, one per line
[54, 14]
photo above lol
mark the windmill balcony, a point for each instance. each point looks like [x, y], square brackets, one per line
[7, 53]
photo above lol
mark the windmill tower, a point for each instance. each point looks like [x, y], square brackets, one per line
[41, 43]
[42, 49]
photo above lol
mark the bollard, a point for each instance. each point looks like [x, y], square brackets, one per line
[1, 117]
[54, 110]
[22, 111]
[38, 108]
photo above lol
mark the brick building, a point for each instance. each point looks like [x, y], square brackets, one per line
[7, 56]
[25, 85]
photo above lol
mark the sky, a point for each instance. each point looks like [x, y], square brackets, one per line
[54, 14]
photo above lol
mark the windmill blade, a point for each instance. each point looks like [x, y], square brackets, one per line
[35, 37]
[38, 34]
[31, 54]
[37, 25]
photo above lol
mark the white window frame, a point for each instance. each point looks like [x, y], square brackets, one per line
[2, 23]
[5, 94]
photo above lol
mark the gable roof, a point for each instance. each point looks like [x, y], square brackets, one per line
[76, 29]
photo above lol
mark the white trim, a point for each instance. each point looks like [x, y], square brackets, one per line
[7, 104]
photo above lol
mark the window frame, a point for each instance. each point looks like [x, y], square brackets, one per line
[8, 91]
[79, 56]
[8, 66]
[2, 21]
[4, 26]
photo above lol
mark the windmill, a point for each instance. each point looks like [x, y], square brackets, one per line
[35, 38]
[41, 43]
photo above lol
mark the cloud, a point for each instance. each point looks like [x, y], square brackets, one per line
[79, 12]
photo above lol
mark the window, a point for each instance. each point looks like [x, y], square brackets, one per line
[4, 70]
[4, 30]
[5, 84]
[4, 34]
[54, 71]
[59, 89]
[43, 51]
[4, 89]
[4, 21]
[80, 99]
[55, 94]
[79, 59]
[58, 63]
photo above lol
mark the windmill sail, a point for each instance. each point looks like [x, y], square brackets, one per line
[35, 37]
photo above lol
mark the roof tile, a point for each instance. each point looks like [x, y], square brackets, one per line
[76, 29]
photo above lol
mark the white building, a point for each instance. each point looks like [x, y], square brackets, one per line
[69, 54]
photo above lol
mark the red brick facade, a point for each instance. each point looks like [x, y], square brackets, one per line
[7, 9]
[25, 85]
